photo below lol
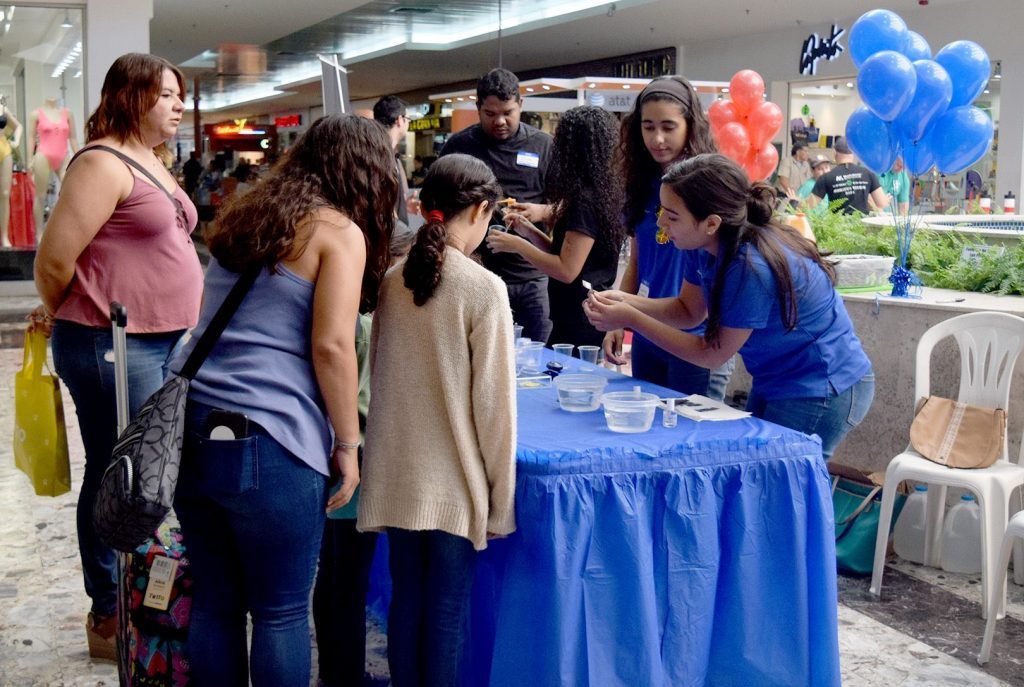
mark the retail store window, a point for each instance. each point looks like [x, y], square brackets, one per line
[41, 91]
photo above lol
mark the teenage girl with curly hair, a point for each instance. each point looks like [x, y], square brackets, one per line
[284, 377]
[584, 193]
[667, 124]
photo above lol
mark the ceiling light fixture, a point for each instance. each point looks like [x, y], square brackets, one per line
[593, 85]
[66, 24]
[68, 60]
[626, 86]
[546, 87]
[849, 84]
[529, 89]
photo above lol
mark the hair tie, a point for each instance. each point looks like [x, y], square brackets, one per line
[435, 216]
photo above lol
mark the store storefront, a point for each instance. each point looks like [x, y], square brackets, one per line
[42, 112]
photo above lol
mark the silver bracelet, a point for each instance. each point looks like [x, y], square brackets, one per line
[338, 443]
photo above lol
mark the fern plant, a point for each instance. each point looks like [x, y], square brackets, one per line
[942, 259]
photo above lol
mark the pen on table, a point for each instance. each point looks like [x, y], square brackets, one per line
[951, 300]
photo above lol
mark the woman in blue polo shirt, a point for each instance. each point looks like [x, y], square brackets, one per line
[766, 293]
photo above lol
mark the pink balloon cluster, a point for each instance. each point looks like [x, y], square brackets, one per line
[744, 126]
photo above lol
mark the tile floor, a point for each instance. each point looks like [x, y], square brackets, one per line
[924, 631]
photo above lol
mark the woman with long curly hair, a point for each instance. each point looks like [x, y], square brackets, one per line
[766, 293]
[441, 429]
[272, 413]
[585, 194]
[666, 125]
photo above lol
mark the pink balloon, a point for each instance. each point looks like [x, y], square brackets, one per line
[722, 112]
[761, 162]
[763, 122]
[733, 141]
[746, 90]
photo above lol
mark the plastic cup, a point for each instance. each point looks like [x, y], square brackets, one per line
[518, 331]
[528, 356]
[588, 354]
[564, 349]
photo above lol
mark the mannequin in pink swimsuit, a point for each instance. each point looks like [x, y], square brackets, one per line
[51, 129]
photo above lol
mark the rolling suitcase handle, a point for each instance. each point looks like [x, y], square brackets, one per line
[118, 322]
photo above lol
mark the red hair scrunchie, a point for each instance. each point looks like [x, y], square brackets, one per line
[435, 216]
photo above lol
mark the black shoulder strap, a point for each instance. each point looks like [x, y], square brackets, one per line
[219, 322]
[128, 161]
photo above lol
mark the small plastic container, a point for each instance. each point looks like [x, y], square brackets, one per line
[908, 537]
[579, 393]
[528, 356]
[961, 538]
[630, 412]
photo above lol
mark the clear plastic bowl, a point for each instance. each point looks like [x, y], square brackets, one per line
[579, 393]
[630, 412]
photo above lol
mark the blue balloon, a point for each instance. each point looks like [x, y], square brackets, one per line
[931, 99]
[916, 48]
[960, 137]
[871, 139]
[887, 82]
[968, 66]
[917, 157]
[875, 31]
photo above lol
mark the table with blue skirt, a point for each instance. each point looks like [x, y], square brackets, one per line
[702, 554]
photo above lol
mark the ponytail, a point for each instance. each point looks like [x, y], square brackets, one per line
[760, 204]
[422, 271]
[452, 184]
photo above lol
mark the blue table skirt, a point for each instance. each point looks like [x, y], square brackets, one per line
[699, 555]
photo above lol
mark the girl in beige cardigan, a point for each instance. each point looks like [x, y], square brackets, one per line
[439, 469]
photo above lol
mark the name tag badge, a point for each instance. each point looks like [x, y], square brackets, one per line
[644, 291]
[161, 579]
[525, 159]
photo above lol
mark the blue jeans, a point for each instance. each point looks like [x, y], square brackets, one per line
[339, 602]
[830, 418]
[432, 578]
[530, 308]
[83, 358]
[252, 515]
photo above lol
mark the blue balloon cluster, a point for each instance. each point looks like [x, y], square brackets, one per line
[917, 105]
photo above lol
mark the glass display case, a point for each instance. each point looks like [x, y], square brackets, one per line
[41, 110]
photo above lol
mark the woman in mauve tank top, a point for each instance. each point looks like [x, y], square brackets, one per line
[119, 231]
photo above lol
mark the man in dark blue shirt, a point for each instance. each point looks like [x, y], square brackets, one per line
[518, 155]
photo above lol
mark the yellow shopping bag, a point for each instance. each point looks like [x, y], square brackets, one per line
[40, 437]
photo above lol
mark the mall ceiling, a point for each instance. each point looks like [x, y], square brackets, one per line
[246, 50]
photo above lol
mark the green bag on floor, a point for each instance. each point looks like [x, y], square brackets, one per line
[857, 505]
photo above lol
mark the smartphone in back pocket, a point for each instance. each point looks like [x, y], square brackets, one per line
[225, 425]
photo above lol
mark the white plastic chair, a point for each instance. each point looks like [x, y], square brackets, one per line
[990, 344]
[1014, 532]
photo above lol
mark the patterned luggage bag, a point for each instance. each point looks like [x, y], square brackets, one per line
[156, 638]
[150, 641]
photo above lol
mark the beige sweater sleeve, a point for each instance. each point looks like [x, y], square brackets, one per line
[494, 406]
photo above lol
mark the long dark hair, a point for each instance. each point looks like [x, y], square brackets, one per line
[638, 167]
[342, 162]
[712, 184]
[452, 184]
[581, 171]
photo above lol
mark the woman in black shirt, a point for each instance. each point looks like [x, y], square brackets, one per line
[585, 197]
